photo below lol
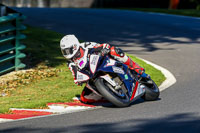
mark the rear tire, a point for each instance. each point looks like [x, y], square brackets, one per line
[110, 95]
[151, 92]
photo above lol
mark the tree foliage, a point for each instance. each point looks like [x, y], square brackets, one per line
[197, 2]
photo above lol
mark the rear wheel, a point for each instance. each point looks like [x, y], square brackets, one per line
[151, 91]
[117, 96]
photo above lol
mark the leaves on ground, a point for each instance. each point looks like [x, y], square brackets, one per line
[26, 77]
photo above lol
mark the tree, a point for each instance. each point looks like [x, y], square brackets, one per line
[197, 2]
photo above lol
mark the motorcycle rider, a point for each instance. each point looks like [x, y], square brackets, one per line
[74, 51]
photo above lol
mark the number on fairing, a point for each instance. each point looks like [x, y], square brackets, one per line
[82, 77]
[93, 63]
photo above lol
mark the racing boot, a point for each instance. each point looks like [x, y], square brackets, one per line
[119, 55]
[135, 67]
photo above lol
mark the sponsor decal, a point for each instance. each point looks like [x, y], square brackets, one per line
[108, 78]
[93, 62]
[118, 70]
[81, 63]
[126, 76]
[82, 76]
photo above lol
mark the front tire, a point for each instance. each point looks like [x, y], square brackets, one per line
[151, 91]
[107, 93]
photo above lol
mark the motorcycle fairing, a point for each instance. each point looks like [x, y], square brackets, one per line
[110, 62]
[108, 65]
[125, 77]
[93, 63]
[81, 77]
[138, 91]
[107, 78]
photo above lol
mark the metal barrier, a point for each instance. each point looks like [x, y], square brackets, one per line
[10, 36]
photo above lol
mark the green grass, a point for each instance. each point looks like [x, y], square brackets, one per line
[37, 94]
[184, 12]
[43, 48]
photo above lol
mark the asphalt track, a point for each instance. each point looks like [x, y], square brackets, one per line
[170, 41]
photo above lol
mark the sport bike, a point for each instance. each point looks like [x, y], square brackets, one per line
[115, 81]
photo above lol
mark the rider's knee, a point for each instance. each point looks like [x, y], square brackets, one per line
[118, 54]
[115, 51]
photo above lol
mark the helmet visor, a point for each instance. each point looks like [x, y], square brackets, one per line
[67, 51]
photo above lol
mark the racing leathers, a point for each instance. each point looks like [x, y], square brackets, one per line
[114, 52]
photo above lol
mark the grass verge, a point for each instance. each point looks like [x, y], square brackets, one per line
[43, 51]
[184, 12]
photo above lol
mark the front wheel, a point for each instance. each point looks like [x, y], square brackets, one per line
[151, 91]
[117, 97]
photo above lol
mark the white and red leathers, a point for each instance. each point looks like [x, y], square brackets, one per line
[87, 96]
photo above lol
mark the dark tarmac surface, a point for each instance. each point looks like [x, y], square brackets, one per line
[170, 41]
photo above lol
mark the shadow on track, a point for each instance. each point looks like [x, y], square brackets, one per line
[178, 123]
[135, 32]
[116, 26]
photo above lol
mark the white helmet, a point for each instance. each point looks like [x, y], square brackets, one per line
[69, 45]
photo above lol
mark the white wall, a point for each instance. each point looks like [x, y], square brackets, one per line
[48, 3]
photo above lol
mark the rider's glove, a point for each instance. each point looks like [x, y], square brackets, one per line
[77, 83]
[144, 75]
[105, 51]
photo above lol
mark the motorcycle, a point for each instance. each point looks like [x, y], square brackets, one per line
[115, 81]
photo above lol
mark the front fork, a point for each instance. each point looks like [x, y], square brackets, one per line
[138, 91]
[92, 89]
